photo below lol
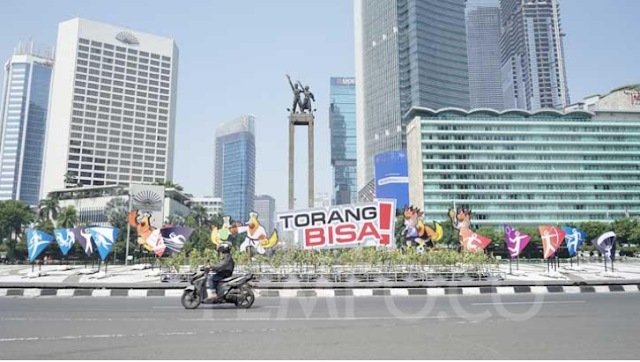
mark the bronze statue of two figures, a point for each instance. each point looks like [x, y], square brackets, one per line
[298, 102]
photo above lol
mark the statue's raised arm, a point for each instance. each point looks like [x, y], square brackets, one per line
[290, 83]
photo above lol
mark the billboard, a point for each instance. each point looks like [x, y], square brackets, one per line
[148, 200]
[392, 176]
[346, 226]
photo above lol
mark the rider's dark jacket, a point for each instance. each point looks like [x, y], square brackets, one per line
[224, 266]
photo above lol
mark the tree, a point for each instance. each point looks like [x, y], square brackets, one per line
[200, 215]
[594, 229]
[14, 218]
[49, 208]
[67, 217]
[117, 211]
[624, 229]
[169, 184]
[70, 180]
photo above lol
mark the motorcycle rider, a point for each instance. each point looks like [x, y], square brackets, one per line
[223, 269]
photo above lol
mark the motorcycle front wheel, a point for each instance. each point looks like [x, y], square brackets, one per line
[190, 300]
[246, 298]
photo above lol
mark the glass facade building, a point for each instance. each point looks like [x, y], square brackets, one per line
[342, 122]
[533, 66]
[265, 206]
[235, 167]
[525, 168]
[483, 48]
[408, 53]
[23, 115]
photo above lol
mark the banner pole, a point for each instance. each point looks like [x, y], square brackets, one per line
[518, 262]
[126, 257]
[510, 270]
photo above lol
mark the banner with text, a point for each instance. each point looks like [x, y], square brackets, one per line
[346, 226]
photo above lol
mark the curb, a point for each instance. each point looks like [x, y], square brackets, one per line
[327, 293]
[329, 286]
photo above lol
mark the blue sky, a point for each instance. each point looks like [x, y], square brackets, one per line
[234, 56]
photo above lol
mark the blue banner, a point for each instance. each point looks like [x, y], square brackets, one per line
[37, 241]
[392, 177]
[65, 238]
[83, 235]
[574, 238]
[104, 238]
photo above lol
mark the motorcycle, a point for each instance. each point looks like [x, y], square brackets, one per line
[233, 290]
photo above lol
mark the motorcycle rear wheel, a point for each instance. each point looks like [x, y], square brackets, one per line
[247, 300]
[190, 300]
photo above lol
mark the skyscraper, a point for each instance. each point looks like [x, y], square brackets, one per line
[113, 106]
[409, 53]
[234, 172]
[533, 67]
[23, 123]
[265, 206]
[483, 49]
[342, 121]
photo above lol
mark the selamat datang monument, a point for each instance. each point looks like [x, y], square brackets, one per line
[301, 114]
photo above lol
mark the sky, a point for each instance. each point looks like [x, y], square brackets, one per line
[234, 56]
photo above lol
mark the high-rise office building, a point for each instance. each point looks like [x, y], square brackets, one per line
[265, 206]
[23, 121]
[533, 67]
[113, 105]
[409, 53]
[483, 49]
[342, 121]
[235, 166]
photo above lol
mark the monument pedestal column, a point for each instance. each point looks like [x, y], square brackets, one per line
[301, 119]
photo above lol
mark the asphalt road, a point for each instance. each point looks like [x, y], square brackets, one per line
[566, 326]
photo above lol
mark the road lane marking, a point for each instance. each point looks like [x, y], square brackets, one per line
[529, 303]
[313, 319]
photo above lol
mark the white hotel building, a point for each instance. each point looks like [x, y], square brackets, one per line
[113, 105]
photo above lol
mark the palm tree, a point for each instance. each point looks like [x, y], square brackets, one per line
[169, 184]
[199, 214]
[67, 218]
[49, 208]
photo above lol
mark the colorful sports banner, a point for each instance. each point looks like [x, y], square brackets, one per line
[65, 239]
[104, 238]
[83, 235]
[515, 240]
[175, 238]
[552, 237]
[574, 238]
[346, 226]
[473, 242]
[37, 241]
[606, 243]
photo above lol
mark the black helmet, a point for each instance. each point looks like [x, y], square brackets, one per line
[224, 248]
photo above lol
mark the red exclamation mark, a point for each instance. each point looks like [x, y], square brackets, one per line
[386, 222]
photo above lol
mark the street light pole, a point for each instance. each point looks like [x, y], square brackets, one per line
[126, 258]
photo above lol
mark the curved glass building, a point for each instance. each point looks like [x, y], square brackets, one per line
[528, 168]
